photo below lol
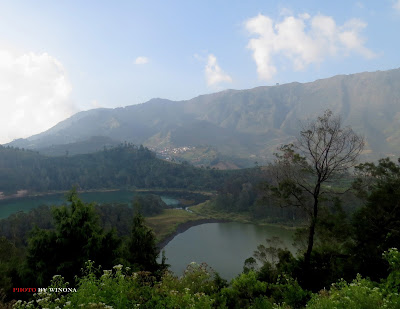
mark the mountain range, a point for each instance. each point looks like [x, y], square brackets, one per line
[235, 128]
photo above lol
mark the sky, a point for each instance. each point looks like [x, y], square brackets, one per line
[61, 57]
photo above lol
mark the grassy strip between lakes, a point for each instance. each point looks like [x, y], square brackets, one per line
[207, 210]
[166, 223]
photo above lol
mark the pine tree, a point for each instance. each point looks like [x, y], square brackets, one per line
[142, 248]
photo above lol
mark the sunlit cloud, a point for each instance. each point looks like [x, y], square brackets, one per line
[141, 60]
[214, 74]
[34, 94]
[302, 40]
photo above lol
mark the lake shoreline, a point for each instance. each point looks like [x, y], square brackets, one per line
[26, 194]
[183, 227]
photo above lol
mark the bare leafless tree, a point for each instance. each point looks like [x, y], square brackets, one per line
[322, 153]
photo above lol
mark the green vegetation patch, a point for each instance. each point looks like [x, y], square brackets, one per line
[166, 223]
[208, 210]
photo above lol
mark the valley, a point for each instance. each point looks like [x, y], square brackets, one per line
[199, 154]
[206, 195]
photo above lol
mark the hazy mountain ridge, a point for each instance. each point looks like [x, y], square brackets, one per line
[245, 123]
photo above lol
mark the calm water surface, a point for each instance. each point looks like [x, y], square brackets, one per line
[223, 246]
[10, 206]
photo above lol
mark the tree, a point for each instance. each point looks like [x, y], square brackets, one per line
[10, 260]
[77, 238]
[323, 152]
[151, 204]
[377, 224]
[142, 248]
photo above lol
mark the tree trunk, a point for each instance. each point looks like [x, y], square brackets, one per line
[311, 233]
[310, 244]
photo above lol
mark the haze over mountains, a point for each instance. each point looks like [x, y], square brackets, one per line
[236, 127]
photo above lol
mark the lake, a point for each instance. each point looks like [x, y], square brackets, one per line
[223, 246]
[10, 206]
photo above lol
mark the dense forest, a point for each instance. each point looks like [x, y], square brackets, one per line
[125, 166]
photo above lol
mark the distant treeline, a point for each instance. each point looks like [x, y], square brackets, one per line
[125, 166]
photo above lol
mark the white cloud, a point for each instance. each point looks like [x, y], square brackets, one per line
[34, 94]
[214, 74]
[141, 60]
[396, 5]
[303, 40]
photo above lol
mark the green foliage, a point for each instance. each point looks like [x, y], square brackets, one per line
[392, 256]
[77, 238]
[142, 250]
[360, 294]
[199, 288]
[17, 226]
[112, 288]
[150, 204]
[377, 225]
[244, 290]
[47, 299]
[11, 259]
[238, 192]
[116, 216]
[371, 175]
[197, 280]
[119, 288]
[334, 226]
[288, 291]
[263, 302]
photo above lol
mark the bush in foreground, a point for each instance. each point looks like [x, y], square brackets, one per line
[200, 287]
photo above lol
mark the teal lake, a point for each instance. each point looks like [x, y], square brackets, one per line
[10, 206]
[223, 246]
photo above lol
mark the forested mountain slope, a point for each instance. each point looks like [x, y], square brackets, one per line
[247, 124]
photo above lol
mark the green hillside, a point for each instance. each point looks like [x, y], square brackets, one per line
[243, 126]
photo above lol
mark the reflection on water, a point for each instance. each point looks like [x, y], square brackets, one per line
[223, 246]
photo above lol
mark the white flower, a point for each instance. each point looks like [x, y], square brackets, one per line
[118, 267]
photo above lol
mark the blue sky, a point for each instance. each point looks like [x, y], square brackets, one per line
[60, 57]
